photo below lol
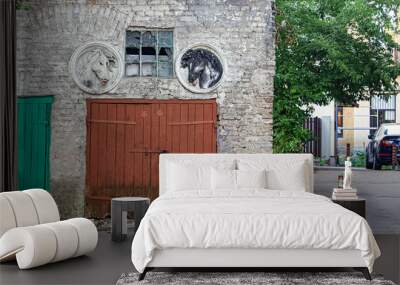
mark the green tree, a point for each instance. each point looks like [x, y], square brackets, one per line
[329, 50]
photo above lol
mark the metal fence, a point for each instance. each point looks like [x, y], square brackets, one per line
[314, 144]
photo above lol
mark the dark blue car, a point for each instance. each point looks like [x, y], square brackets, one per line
[382, 145]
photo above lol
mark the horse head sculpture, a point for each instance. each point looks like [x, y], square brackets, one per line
[101, 66]
[204, 68]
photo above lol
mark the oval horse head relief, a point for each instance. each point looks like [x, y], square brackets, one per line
[96, 67]
[200, 68]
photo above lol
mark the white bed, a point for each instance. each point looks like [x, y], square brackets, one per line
[200, 223]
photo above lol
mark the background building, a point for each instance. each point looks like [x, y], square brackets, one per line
[50, 31]
[344, 127]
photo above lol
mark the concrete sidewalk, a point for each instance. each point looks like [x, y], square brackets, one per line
[381, 189]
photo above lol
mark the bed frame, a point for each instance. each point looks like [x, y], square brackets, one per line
[249, 259]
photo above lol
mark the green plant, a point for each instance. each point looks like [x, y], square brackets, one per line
[320, 161]
[23, 5]
[329, 50]
[358, 159]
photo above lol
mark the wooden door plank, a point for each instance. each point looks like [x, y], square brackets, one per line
[129, 169]
[214, 136]
[146, 146]
[154, 144]
[40, 151]
[199, 129]
[111, 149]
[101, 153]
[176, 117]
[48, 143]
[208, 128]
[184, 117]
[155, 126]
[89, 135]
[169, 128]
[28, 146]
[120, 150]
[35, 145]
[111, 122]
[94, 140]
[163, 140]
[191, 128]
[138, 144]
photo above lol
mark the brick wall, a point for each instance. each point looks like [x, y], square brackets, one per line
[50, 30]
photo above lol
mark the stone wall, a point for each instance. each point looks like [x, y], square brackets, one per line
[50, 30]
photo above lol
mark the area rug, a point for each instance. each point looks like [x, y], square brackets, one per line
[244, 278]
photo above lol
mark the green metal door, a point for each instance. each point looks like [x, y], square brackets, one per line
[34, 128]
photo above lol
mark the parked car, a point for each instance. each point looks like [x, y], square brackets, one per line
[380, 148]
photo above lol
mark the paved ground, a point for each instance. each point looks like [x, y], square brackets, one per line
[380, 188]
[110, 260]
[103, 266]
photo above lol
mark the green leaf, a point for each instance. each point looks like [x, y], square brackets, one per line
[329, 50]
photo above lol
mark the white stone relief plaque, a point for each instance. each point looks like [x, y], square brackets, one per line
[96, 67]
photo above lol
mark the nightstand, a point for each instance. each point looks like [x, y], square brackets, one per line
[357, 205]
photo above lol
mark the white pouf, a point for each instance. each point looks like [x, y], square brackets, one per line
[7, 219]
[87, 234]
[31, 230]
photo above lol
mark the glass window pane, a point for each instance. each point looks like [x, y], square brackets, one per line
[165, 69]
[149, 69]
[390, 116]
[144, 48]
[148, 54]
[132, 69]
[149, 39]
[340, 116]
[133, 39]
[165, 39]
[381, 117]
[340, 133]
[165, 54]
[131, 54]
[381, 103]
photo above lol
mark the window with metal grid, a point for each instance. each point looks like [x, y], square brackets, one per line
[149, 53]
[383, 110]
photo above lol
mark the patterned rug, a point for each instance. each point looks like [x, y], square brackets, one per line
[243, 278]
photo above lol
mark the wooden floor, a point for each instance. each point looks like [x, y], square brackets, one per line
[111, 259]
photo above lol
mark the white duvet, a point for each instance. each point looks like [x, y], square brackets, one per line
[250, 219]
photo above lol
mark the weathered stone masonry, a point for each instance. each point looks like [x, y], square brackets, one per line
[51, 30]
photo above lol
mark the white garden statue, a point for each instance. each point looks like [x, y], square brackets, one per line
[347, 174]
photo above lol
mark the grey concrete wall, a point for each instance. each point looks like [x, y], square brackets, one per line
[49, 32]
[381, 189]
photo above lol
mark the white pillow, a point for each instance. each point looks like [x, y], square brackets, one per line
[223, 179]
[294, 180]
[282, 174]
[251, 178]
[183, 177]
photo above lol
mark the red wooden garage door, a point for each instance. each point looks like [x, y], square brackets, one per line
[125, 138]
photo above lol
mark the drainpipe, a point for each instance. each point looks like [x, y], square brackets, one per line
[335, 134]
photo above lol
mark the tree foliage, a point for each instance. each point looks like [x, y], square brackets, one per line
[329, 50]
